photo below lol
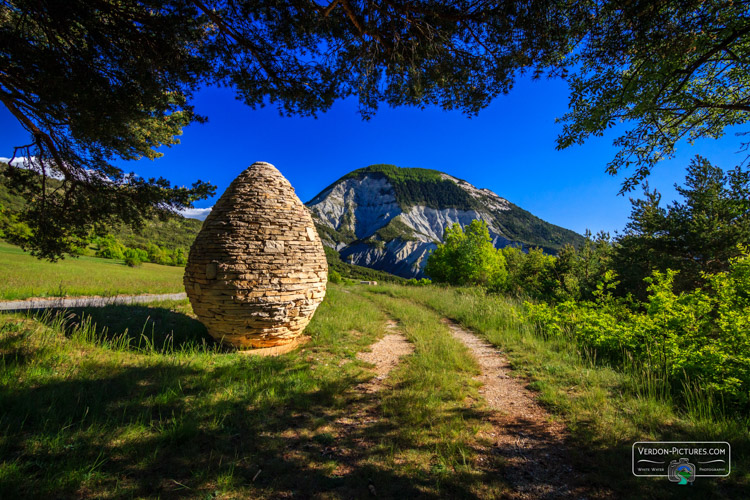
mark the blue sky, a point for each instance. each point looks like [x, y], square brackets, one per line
[509, 148]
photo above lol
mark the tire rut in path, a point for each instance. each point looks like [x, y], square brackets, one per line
[385, 354]
[364, 414]
[523, 434]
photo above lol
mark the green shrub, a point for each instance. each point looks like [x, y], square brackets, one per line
[158, 255]
[334, 277]
[78, 249]
[699, 336]
[17, 232]
[132, 257]
[109, 248]
[416, 282]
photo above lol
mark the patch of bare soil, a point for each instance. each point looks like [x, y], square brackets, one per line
[531, 444]
[385, 355]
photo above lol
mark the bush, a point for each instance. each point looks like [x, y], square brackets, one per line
[334, 277]
[17, 232]
[109, 248]
[416, 282]
[132, 257]
[701, 336]
[135, 256]
[78, 249]
[158, 255]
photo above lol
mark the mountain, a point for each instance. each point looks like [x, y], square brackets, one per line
[390, 218]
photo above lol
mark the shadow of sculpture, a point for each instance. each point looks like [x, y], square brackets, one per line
[136, 327]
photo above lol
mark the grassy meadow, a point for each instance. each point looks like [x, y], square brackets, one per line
[22, 276]
[91, 408]
[137, 401]
[606, 407]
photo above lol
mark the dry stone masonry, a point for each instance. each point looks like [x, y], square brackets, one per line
[257, 270]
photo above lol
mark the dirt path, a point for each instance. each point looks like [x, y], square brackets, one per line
[523, 434]
[385, 355]
[354, 431]
[59, 302]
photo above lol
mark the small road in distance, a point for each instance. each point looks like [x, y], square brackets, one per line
[71, 302]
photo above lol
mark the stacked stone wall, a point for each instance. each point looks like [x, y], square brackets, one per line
[257, 270]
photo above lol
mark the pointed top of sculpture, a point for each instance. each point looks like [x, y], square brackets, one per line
[263, 164]
[261, 169]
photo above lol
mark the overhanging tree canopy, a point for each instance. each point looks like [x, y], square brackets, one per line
[669, 70]
[98, 80]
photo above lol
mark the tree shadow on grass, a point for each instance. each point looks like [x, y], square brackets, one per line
[152, 328]
[231, 426]
[92, 423]
[169, 429]
[12, 350]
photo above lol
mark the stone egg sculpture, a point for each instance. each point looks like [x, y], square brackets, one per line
[257, 270]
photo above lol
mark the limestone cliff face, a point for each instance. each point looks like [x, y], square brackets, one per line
[359, 205]
[392, 218]
[257, 270]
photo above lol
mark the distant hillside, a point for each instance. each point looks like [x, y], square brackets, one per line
[171, 232]
[391, 218]
[176, 231]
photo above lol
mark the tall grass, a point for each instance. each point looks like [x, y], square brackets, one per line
[129, 401]
[136, 401]
[606, 405]
[96, 406]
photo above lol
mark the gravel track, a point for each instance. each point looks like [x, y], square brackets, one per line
[531, 443]
[385, 355]
[60, 302]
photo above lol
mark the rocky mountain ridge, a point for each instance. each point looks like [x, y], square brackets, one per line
[392, 218]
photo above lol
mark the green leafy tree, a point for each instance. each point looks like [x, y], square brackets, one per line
[578, 272]
[468, 258]
[442, 264]
[698, 234]
[96, 81]
[92, 82]
[178, 257]
[531, 273]
[669, 70]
